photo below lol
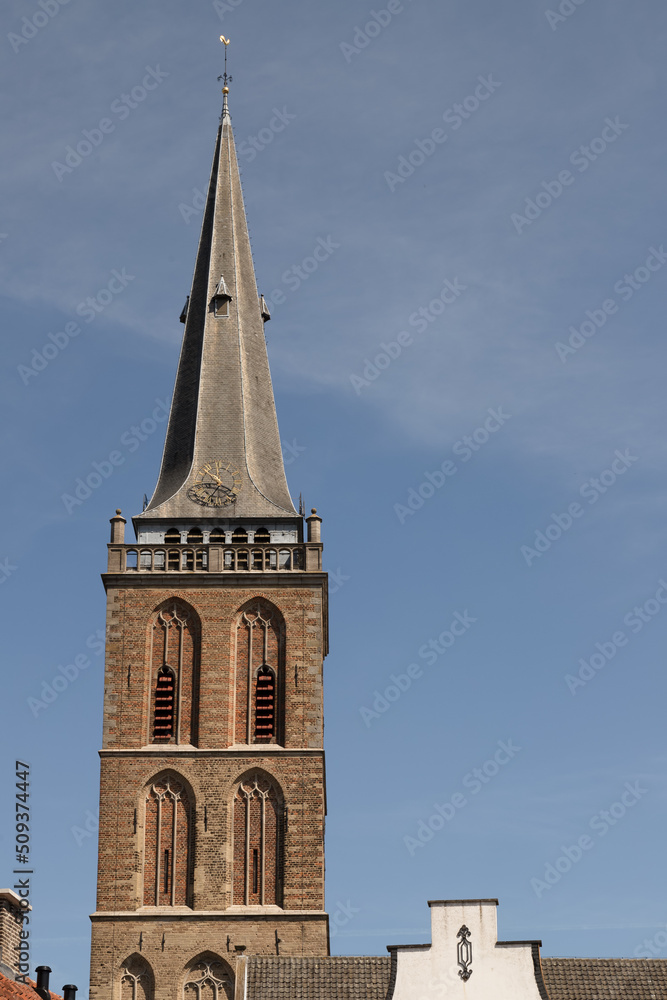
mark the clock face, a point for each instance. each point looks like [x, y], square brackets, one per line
[217, 484]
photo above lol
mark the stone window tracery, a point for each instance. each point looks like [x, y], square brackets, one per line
[167, 847]
[174, 642]
[259, 674]
[136, 979]
[209, 979]
[258, 840]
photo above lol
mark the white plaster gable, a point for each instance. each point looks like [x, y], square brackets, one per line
[498, 970]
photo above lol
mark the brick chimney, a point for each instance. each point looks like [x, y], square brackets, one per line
[11, 923]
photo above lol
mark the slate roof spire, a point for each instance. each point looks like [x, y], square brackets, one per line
[223, 415]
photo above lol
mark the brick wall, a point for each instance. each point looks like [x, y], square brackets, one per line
[214, 613]
[171, 943]
[210, 762]
[11, 924]
[214, 779]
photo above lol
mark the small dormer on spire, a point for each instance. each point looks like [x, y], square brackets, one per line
[264, 309]
[221, 298]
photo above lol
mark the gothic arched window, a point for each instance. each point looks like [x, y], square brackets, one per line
[136, 979]
[259, 674]
[167, 843]
[258, 840]
[208, 978]
[173, 657]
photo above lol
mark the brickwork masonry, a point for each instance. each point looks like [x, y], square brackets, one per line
[208, 769]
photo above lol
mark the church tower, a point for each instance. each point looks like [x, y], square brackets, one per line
[212, 797]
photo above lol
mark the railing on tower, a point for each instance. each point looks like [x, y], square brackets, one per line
[251, 558]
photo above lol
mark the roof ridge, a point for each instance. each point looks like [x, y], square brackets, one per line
[599, 958]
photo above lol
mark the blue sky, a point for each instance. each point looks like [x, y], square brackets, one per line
[514, 153]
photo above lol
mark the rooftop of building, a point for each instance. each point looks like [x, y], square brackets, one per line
[11, 989]
[370, 978]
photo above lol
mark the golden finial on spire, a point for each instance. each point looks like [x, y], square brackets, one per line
[225, 77]
[226, 80]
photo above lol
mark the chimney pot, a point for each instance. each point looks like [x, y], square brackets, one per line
[69, 992]
[43, 973]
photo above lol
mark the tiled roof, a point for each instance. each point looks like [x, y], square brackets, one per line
[11, 990]
[605, 978]
[368, 978]
[317, 978]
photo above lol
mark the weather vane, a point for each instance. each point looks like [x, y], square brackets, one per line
[226, 78]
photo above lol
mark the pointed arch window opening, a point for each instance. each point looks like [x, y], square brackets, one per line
[168, 698]
[209, 981]
[259, 672]
[137, 976]
[171, 869]
[265, 692]
[262, 845]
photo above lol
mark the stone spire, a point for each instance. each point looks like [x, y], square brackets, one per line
[222, 456]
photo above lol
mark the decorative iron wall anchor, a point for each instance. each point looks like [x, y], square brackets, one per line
[464, 954]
